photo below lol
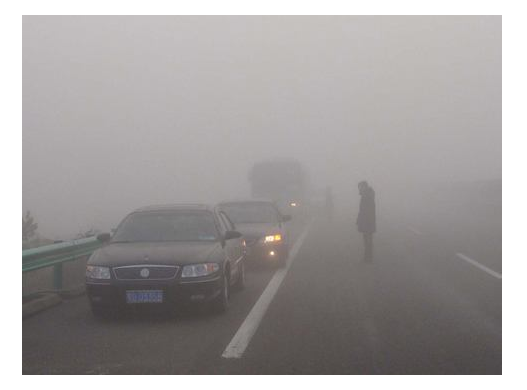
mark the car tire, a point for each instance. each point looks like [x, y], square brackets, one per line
[220, 304]
[240, 282]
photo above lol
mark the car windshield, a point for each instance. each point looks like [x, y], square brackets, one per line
[167, 226]
[251, 212]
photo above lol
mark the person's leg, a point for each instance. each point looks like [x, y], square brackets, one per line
[368, 246]
[365, 239]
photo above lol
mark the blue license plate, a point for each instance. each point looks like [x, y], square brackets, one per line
[144, 296]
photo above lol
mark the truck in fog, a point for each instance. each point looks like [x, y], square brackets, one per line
[283, 181]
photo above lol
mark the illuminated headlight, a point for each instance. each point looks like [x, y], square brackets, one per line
[197, 270]
[293, 204]
[273, 238]
[95, 272]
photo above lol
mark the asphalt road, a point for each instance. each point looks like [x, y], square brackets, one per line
[419, 308]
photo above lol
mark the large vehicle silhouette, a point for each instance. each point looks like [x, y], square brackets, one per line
[283, 181]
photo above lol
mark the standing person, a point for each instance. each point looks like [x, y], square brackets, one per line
[329, 203]
[366, 218]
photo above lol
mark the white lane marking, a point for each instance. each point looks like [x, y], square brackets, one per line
[243, 336]
[480, 266]
[415, 231]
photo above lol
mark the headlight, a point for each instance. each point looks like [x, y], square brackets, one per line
[273, 238]
[197, 270]
[293, 204]
[95, 272]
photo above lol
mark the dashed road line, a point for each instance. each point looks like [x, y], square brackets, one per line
[478, 265]
[243, 336]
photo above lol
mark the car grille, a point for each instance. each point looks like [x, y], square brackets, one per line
[145, 272]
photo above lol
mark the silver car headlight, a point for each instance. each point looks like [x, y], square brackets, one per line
[197, 270]
[96, 272]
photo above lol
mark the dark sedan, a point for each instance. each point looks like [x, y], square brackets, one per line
[167, 255]
[263, 228]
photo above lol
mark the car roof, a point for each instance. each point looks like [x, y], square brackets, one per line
[175, 207]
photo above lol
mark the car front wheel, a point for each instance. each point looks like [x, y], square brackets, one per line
[221, 302]
[240, 282]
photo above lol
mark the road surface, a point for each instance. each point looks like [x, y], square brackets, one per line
[419, 308]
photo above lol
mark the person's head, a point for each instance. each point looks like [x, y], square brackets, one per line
[363, 185]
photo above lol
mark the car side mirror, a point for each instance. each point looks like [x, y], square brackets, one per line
[230, 234]
[103, 237]
[286, 218]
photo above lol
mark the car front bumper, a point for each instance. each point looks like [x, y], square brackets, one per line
[175, 292]
[266, 252]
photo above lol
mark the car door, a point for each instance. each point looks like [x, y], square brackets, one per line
[234, 247]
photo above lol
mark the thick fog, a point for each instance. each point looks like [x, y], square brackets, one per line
[121, 112]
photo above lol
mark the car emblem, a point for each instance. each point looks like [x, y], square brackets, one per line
[144, 273]
[146, 258]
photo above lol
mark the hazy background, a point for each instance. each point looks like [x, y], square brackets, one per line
[119, 112]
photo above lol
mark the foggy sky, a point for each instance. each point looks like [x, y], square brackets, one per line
[120, 112]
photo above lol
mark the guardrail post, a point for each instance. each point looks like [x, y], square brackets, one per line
[57, 276]
[55, 255]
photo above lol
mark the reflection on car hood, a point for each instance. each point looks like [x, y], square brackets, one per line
[256, 230]
[168, 253]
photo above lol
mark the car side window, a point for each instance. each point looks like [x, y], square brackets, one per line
[224, 226]
[225, 221]
[230, 224]
[220, 225]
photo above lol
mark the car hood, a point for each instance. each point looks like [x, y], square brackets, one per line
[256, 230]
[166, 253]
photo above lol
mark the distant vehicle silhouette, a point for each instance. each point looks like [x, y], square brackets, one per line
[283, 181]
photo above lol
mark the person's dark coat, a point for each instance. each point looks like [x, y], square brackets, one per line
[366, 218]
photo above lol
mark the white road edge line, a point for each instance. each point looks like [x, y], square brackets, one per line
[243, 336]
[480, 266]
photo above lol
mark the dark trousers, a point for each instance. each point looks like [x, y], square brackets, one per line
[368, 246]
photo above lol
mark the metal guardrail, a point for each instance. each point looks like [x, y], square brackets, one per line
[55, 255]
